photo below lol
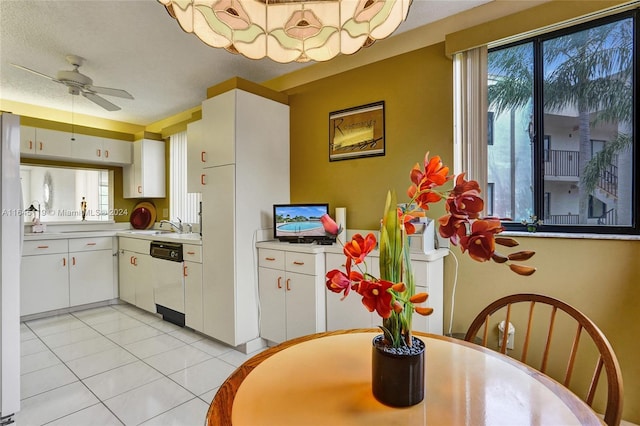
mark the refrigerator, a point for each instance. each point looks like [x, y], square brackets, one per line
[10, 255]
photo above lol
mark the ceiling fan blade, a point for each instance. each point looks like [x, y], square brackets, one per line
[35, 72]
[100, 101]
[110, 92]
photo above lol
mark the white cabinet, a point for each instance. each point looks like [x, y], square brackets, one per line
[247, 138]
[90, 270]
[145, 177]
[348, 312]
[94, 149]
[44, 276]
[44, 143]
[198, 158]
[292, 300]
[193, 286]
[135, 273]
[63, 273]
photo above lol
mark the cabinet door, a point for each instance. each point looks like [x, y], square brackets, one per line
[300, 305]
[128, 276]
[116, 152]
[152, 168]
[344, 313]
[90, 277]
[271, 284]
[53, 143]
[44, 283]
[197, 157]
[86, 148]
[219, 128]
[193, 295]
[132, 174]
[144, 286]
[27, 140]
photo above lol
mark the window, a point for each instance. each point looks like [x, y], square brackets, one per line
[182, 204]
[488, 207]
[490, 119]
[576, 87]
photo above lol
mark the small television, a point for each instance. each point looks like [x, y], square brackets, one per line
[300, 223]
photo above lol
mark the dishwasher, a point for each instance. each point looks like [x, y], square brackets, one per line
[167, 278]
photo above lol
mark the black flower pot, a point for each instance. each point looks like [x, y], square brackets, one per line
[397, 375]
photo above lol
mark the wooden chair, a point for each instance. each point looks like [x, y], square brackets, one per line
[605, 356]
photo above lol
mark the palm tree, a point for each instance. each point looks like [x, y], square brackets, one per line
[590, 71]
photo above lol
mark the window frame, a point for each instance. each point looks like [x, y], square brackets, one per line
[538, 129]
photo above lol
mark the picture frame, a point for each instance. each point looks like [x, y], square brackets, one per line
[357, 132]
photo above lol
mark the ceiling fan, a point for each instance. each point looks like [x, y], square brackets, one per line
[79, 83]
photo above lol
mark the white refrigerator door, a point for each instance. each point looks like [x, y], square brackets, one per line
[10, 257]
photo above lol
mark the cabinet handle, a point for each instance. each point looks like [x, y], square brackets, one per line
[288, 281]
[279, 282]
[43, 247]
[30, 145]
[184, 271]
[40, 146]
[106, 153]
[99, 152]
[139, 189]
[73, 260]
[91, 244]
[297, 262]
[270, 259]
[191, 252]
[64, 261]
[135, 261]
[202, 179]
[202, 154]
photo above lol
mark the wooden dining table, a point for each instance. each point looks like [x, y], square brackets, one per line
[325, 379]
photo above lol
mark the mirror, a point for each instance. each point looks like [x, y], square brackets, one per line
[60, 194]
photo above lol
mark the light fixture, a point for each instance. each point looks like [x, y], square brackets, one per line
[289, 30]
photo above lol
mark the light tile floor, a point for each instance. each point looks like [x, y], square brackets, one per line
[118, 365]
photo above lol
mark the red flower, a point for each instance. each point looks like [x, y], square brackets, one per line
[330, 226]
[480, 242]
[358, 248]
[464, 200]
[406, 222]
[376, 297]
[338, 282]
[452, 227]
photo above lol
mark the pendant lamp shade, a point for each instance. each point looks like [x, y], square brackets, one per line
[289, 30]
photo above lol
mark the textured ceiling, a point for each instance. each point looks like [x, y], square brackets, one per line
[132, 45]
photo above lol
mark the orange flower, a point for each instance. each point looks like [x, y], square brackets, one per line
[435, 174]
[358, 248]
[338, 282]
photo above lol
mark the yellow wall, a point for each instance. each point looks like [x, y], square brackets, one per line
[600, 277]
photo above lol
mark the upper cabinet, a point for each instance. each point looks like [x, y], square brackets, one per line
[145, 177]
[197, 156]
[44, 143]
[54, 144]
[95, 149]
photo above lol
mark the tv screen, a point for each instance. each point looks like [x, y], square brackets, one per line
[300, 222]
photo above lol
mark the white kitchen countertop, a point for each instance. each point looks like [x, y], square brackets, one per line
[151, 235]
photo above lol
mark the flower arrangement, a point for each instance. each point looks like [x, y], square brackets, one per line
[532, 223]
[392, 295]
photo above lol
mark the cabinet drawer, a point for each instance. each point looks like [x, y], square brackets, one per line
[420, 273]
[31, 248]
[89, 244]
[303, 263]
[134, 244]
[273, 259]
[192, 253]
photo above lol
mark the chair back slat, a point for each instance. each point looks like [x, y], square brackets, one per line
[572, 356]
[525, 346]
[547, 346]
[594, 381]
[606, 362]
[505, 335]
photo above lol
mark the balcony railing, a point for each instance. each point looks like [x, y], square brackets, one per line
[562, 219]
[609, 180]
[561, 163]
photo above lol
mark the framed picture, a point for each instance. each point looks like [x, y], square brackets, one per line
[356, 132]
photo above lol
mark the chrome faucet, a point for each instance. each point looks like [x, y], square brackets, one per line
[173, 225]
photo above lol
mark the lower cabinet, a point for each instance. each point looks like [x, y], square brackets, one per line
[62, 273]
[44, 276]
[134, 273]
[193, 315]
[292, 298]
